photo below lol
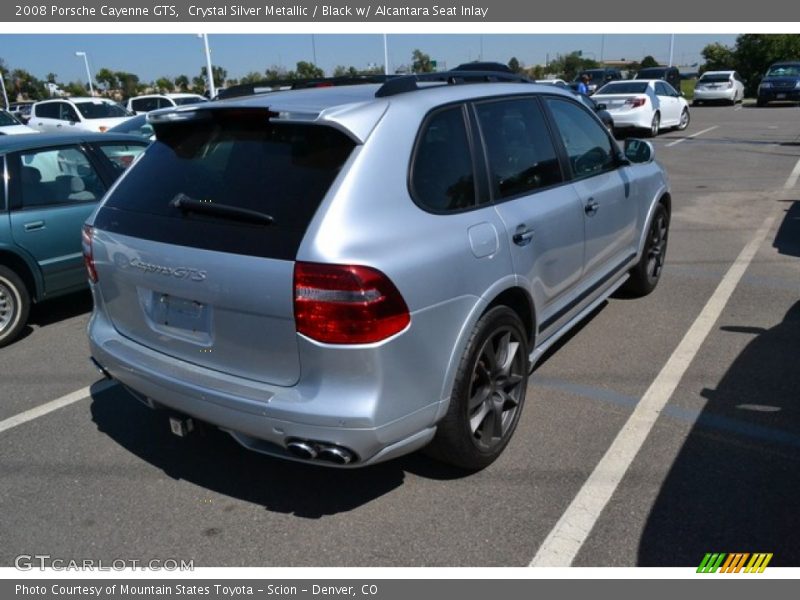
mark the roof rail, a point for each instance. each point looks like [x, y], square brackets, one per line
[273, 85]
[401, 85]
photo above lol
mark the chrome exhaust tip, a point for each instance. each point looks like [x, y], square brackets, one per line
[302, 449]
[336, 454]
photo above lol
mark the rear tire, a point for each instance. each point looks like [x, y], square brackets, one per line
[655, 125]
[488, 393]
[644, 276]
[14, 306]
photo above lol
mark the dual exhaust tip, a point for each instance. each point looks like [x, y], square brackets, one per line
[308, 450]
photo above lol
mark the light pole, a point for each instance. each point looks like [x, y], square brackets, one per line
[88, 72]
[3, 86]
[385, 56]
[212, 91]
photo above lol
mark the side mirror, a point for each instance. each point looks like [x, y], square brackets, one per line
[639, 151]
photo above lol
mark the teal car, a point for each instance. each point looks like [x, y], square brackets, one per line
[50, 185]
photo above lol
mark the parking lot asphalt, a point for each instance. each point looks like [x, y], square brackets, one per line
[103, 477]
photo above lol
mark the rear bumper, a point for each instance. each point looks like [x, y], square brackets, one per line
[378, 402]
[712, 95]
[631, 118]
[791, 95]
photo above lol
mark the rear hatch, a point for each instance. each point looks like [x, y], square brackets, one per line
[195, 247]
[618, 102]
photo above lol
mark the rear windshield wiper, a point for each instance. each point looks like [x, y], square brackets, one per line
[186, 203]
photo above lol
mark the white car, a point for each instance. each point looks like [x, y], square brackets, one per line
[716, 86]
[648, 104]
[144, 104]
[77, 114]
[11, 126]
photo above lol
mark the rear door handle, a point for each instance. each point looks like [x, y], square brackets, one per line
[591, 207]
[34, 225]
[523, 235]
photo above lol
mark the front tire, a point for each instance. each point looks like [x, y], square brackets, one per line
[488, 393]
[14, 306]
[644, 276]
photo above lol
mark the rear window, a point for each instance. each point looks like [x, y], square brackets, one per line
[232, 160]
[188, 100]
[624, 87]
[714, 78]
[651, 73]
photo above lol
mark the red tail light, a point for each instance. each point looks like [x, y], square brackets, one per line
[88, 255]
[635, 102]
[346, 304]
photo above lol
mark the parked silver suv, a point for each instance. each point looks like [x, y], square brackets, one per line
[347, 274]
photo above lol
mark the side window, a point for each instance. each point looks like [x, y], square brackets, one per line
[48, 111]
[57, 176]
[139, 104]
[67, 113]
[121, 155]
[661, 89]
[165, 103]
[520, 152]
[589, 148]
[442, 177]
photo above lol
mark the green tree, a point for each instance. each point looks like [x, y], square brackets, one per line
[421, 62]
[128, 83]
[648, 61]
[308, 70]
[106, 78]
[26, 85]
[75, 88]
[514, 65]
[182, 83]
[198, 84]
[219, 73]
[718, 57]
[165, 84]
[567, 66]
[252, 77]
[275, 72]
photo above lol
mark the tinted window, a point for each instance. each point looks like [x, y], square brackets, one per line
[7, 119]
[188, 100]
[586, 141]
[57, 176]
[651, 74]
[236, 159]
[624, 87]
[520, 152]
[67, 113]
[661, 89]
[97, 109]
[48, 111]
[720, 78]
[144, 104]
[442, 178]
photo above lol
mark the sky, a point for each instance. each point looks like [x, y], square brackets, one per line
[153, 56]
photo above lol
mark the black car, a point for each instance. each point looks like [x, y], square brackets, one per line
[597, 78]
[781, 83]
[483, 66]
[669, 74]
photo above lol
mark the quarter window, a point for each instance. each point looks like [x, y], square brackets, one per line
[589, 148]
[57, 176]
[519, 149]
[442, 177]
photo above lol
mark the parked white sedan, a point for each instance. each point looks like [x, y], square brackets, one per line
[648, 104]
[719, 85]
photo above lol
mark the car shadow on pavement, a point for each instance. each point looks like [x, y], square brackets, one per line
[58, 309]
[734, 486]
[211, 459]
[787, 241]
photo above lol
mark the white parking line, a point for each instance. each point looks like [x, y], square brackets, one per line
[39, 411]
[792, 180]
[573, 528]
[688, 137]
